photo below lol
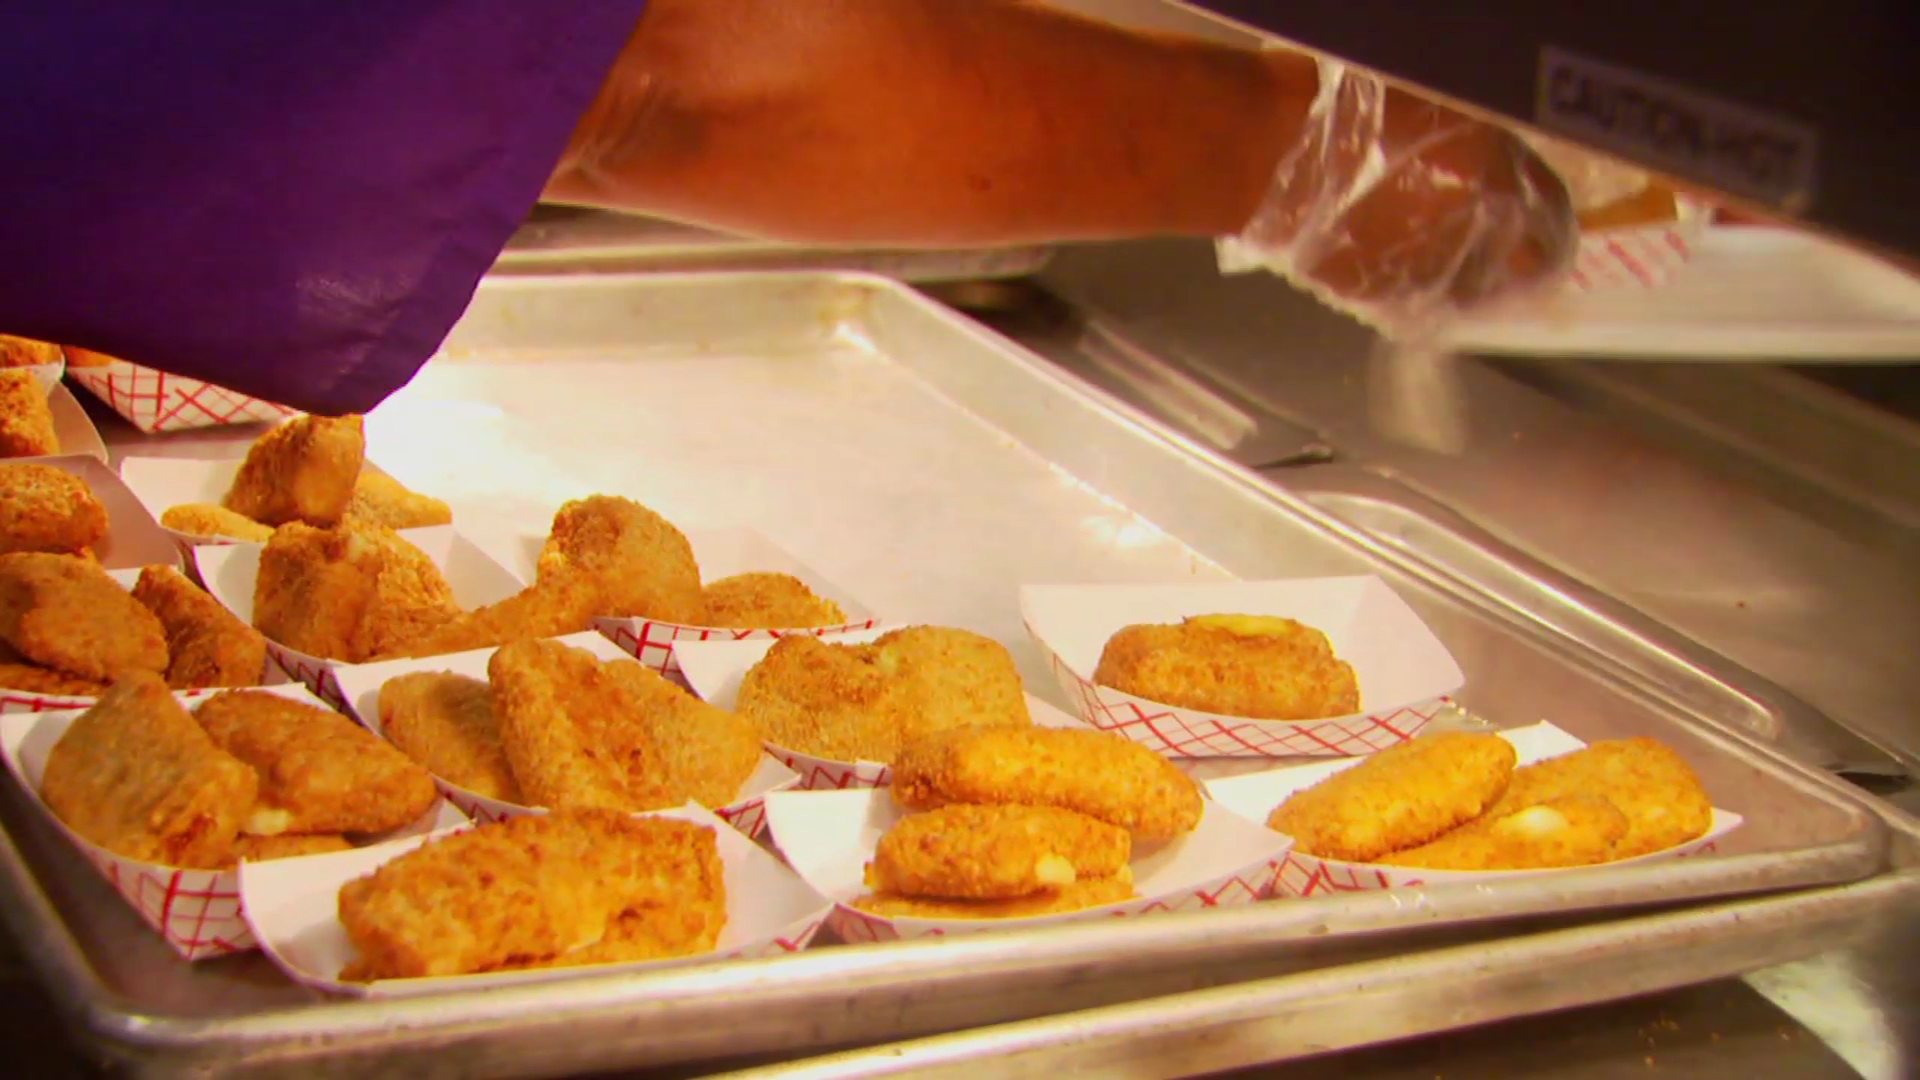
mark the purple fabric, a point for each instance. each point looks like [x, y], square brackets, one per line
[293, 198]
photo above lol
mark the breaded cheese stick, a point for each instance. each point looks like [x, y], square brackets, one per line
[1571, 831]
[1647, 780]
[1398, 798]
[995, 852]
[207, 519]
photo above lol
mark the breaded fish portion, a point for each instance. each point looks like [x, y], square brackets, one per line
[1648, 781]
[446, 723]
[319, 771]
[554, 606]
[864, 702]
[264, 848]
[1106, 777]
[26, 420]
[19, 673]
[1261, 667]
[64, 612]
[995, 852]
[47, 509]
[1574, 831]
[303, 470]
[355, 592]
[207, 519]
[643, 565]
[381, 499]
[1082, 894]
[17, 352]
[532, 890]
[1399, 798]
[767, 601]
[684, 747]
[207, 645]
[136, 775]
[551, 703]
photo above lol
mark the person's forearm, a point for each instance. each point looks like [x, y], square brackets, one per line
[931, 122]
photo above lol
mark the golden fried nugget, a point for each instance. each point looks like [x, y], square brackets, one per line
[1399, 798]
[381, 499]
[34, 679]
[552, 703]
[319, 771]
[1082, 894]
[1648, 781]
[356, 592]
[691, 750]
[64, 612]
[263, 848]
[47, 509]
[1233, 665]
[1575, 831]
[446, 723]
[18, 352]
[303, 470]
[554, 606]
[864, 702]
[1106, 777]
[135, 775]
[26, 420]
[207, 645]
[641, 563]
[995, 852]
[763, 601]
[533, 890]
[206, 519]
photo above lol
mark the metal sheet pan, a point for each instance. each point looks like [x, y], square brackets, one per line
[931, 467]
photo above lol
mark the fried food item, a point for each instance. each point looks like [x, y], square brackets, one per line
[550, 701]
[554, 606]
[964, 852]
[642, 564]
[355, 592]
[136, 775]
[865, 702]
[34, 679]
[446, 723]
[65, 613]
[1082, 894]
[1260, 667]
[1575, 831]
[535, 890]
[1648, 781]
[47, 509]
[1651, 205]
[206, 519]
[303, 470]
[263, 848]
[767, 601]
[1106, 777]
[1399, 798]
[18, 352]
[381, 499]
[26, 420]
[207, 645]
[319, 771]
[686, 748]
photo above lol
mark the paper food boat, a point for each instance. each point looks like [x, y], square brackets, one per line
[1645, 257]
[360, 687]
[47, 375]
[230, 572]
[1255, 796]
[198, 912]
[829, 836]
[294, 912]
[155, 401]
[1404, 672]
[713, 669]
[162, 483]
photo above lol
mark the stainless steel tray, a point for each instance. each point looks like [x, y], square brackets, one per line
[930, 468]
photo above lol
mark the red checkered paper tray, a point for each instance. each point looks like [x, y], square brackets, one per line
[198, 912]
[1642, 257]
[1255, 796]
[155, 401]
[294, 912]
[360, 687]
[828, 837]
[1404, 672]
[230, 572]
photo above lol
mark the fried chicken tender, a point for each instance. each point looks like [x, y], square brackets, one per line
[319, 771]
[356, 592]
[1082, 894]
[570, 887]
[303, 470]
[206, 519]
[136, 775]
[1648, 781]
[554, 606]
[1106, 777]
[446, 723]
[1399, 798]
[1260, 667]
[1575, 831]
[766, 601]
[65, 613]
[18, 352]
[864, 702]
[995, 852]
[26, 420]
[33, 679]
[207, 645]
[263, 848]
[643, 564]
[47, 509]
[381, 499]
